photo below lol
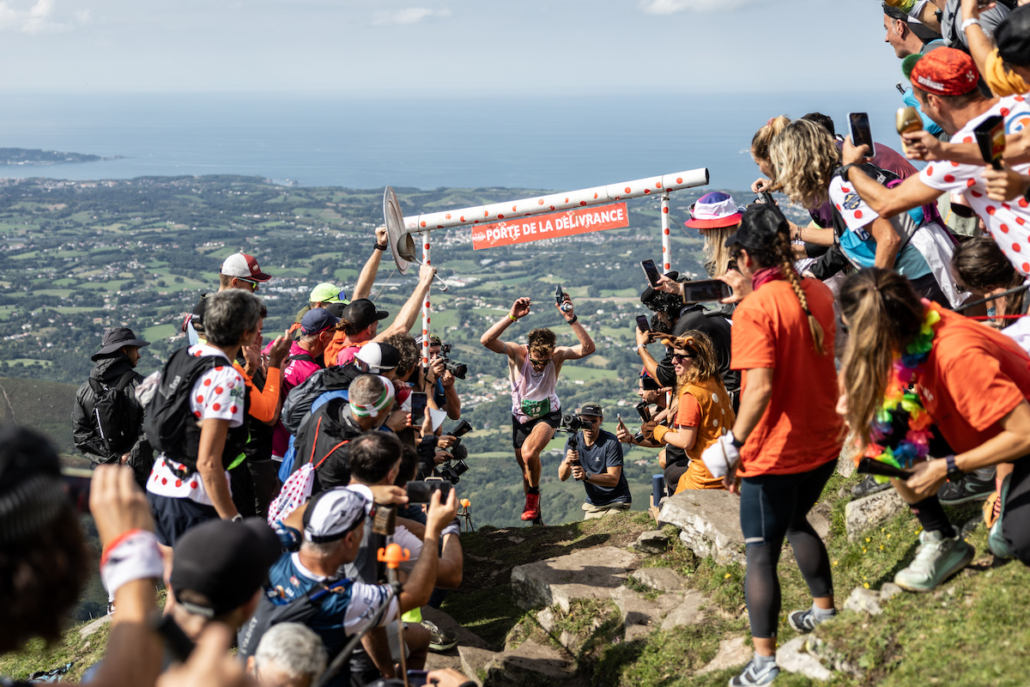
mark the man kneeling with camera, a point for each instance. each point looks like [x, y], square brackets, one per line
[594, 457]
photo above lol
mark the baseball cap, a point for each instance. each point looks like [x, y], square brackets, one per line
[758, 228]
[332, 514]
[363, 312]
[243, 266]
[328, 293]
[336, 309]
[224, 561]
[591, 410]
[379, 357]
[945, 71]
[712, 211]
[317, 320]
[1013, 37]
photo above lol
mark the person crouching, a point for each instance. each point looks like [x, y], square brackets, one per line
[594, 457]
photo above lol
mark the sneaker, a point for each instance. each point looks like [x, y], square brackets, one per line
[969, 488]
[532, 510]
[805, 621]
[995, 540]
[440, 640]
[753, 676]
[868, 486]
[937, 558]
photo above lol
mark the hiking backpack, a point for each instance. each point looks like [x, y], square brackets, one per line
[116, 415]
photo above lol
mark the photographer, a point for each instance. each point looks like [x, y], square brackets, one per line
[442, 373]
[594, 457]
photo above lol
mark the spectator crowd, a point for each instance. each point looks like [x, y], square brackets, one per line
[269, 482]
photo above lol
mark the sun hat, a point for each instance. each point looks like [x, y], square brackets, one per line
[713, 211]
[117, 338]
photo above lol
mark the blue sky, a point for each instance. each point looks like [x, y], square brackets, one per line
[446, 48]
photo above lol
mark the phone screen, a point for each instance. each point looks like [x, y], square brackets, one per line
[990, 135]
[417, 678]
[861, 133]
[651, 272]
[422, 492]
[706, 290]
[418, 407]
[642, 323]
[76, 485]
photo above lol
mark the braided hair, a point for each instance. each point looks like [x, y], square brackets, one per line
[770, 236]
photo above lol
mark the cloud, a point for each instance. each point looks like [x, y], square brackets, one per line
[674, 6]
[39, 18]
[406, 17]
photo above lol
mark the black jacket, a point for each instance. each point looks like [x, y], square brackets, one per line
[87, 438]
[715, 324]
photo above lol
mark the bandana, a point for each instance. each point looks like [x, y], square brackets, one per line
[945, 71]
[373, 409]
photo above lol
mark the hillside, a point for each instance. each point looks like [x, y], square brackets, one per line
[40, 405]
[971, 631]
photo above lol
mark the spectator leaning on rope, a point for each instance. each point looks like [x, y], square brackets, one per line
[196, 420]
[784, 445]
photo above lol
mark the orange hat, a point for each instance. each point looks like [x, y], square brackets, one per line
[945, 71]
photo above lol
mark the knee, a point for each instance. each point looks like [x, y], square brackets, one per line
[417, 639]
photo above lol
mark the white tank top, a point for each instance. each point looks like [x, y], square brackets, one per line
[532, 392]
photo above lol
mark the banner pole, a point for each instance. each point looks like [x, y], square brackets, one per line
[426, 308]
[666, 238]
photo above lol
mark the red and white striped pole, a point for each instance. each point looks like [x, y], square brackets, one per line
[666, 238]
[426, 307]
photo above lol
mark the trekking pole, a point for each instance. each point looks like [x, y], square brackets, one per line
[1009, 292]
[393, 555]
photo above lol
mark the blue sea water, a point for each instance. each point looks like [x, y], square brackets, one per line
[314, 139]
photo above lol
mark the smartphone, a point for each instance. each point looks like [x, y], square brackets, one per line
[643, 411]
[642, 323]
[706, 290]
[418, 407]
[990, 136]
[76, 485]
[559, 295]
[651, 272]
[650, 384]
[179, 645]
[868, 466]
[418, 678]
[861, 133]
[422, 492]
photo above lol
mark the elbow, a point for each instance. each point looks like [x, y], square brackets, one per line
[589, 348]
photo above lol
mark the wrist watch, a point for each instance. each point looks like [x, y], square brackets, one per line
[843, 172]
[737, 443]
[574, 320]
[380, 246]
[954, 474]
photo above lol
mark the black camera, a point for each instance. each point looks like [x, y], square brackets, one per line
[462, 428]
[571, 424]
[455, 467]
[459, 370]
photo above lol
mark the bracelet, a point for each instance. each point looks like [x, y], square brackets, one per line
[574, 320]
[132, 556]
[639, 346]
[237, 518]
[379, 247]
[513, 319]
[969, 22]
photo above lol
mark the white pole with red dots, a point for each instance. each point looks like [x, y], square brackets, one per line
[569, 200]
[666, 238]
[426, 307]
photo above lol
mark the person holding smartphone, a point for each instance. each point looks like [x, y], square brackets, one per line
[533, 371]
[784, 441]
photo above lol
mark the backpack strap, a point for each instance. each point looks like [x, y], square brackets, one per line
[314, 443]
[125, 380]
[306, 357]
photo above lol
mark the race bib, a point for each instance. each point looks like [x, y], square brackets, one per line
[535, 409]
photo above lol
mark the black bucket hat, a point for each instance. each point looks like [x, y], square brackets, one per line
[116, 338]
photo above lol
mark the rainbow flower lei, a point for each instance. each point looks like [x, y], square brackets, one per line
[901, 428]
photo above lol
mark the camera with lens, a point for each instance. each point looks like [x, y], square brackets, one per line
[460, 430]
[459, 370]
[452, 469]
[571, 424]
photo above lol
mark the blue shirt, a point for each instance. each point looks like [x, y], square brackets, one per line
[595, 460]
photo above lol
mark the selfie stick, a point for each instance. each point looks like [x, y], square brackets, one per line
[393, 556]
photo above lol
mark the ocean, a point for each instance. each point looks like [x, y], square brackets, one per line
[554, 143]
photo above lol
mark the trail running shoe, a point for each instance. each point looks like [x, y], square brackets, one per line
[440, 640]
[805, 621]
[868, 486]
[753, 676]
[995, 539]
[532, 510]
[969, 488]
[937, 558]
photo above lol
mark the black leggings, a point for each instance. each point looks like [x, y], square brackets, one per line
[1015, 524]
[772, 507]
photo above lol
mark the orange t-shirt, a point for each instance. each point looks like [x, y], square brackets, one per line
[800, 429]
[973, 378]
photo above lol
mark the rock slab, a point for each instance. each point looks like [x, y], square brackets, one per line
[687, 613]
[659, 579]
[862, 600]
[864, 513]
[588, 574]
[732, 653]
[793, 658]
[651, 543]
[709, 522]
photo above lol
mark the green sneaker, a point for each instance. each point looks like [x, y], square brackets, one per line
[937, 558]
[995, 541]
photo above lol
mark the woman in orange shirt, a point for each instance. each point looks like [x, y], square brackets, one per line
[705, 410]
[786, 437]
[910, 364]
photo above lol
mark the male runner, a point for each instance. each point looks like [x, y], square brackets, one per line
[535, 408]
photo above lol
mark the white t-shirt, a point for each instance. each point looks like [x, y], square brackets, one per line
[218, 394]
[1008, 223]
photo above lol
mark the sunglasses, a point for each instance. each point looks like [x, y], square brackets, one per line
[253, 284]
[677, 357]
[533, 361]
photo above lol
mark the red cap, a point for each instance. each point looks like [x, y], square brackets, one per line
[243, 266]
[945, 71]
